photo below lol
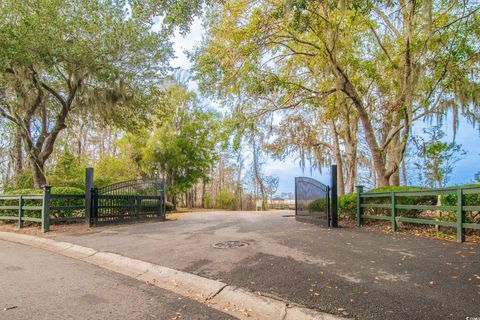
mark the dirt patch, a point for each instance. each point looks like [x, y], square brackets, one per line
[66, 228]
[420, 230]
[81, 228]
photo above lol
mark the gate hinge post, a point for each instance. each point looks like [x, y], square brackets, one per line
[359, 205]
[334, 196]
[88, 196]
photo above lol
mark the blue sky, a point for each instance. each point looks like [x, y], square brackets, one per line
[287, 170]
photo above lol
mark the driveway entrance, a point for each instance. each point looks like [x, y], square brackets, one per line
[346, 271]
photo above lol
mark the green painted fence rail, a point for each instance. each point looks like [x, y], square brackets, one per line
[460, 208]
[49, 207]
[44, 208]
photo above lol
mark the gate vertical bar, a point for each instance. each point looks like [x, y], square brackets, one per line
[334, 197]
[88, 196]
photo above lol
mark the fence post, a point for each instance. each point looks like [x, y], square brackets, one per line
[359, 205]
[88, 196]
[334, 199]
[20, 212]
[460, 216]
[394, 212]
[46, 208]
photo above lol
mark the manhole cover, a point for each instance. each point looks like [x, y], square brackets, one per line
[230, 244]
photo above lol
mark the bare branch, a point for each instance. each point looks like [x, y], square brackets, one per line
[387, 21]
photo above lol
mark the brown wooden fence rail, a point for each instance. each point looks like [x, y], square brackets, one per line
[392, 204]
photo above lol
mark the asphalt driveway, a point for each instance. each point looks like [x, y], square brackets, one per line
[37, 284]
[347, 271]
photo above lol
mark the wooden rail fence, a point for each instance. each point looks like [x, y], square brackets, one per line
[392, 204]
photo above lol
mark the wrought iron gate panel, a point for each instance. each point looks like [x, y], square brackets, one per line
[129, 200]
[312, 201]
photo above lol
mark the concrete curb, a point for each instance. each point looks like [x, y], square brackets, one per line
[216, 294]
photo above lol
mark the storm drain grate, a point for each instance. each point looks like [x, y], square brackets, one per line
[230, 244]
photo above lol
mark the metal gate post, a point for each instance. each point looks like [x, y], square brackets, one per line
[296, 202]
[334, 196]
[46, 208]
[88, 196]
[164, 198]
[359, 205]
[329, 208]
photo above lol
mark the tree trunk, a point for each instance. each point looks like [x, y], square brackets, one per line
[351, 168]
[204, 190]
[195, 200]
[351, 154]
[257, 174]
[377, 154]
[395, 178]
[338, 158]
[17, 152]
[39, 145]
[38, 172]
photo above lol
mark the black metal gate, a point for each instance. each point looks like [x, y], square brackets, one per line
[316, 202]
[129, 200]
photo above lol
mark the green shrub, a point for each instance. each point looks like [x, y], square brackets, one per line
[111, 169]
[208, 201]
[169, 206]
[319, 205]
[53, 202]
[408, 200]
[22, 181]
[469, 200]
[347, 205]
[226, 199]
[54, 190]
[68, 170]
[398, 188]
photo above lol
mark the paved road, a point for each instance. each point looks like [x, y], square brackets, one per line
[354, 272]
[43, 285]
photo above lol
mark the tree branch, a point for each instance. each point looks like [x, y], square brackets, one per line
[55, 94]
[387, 21]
